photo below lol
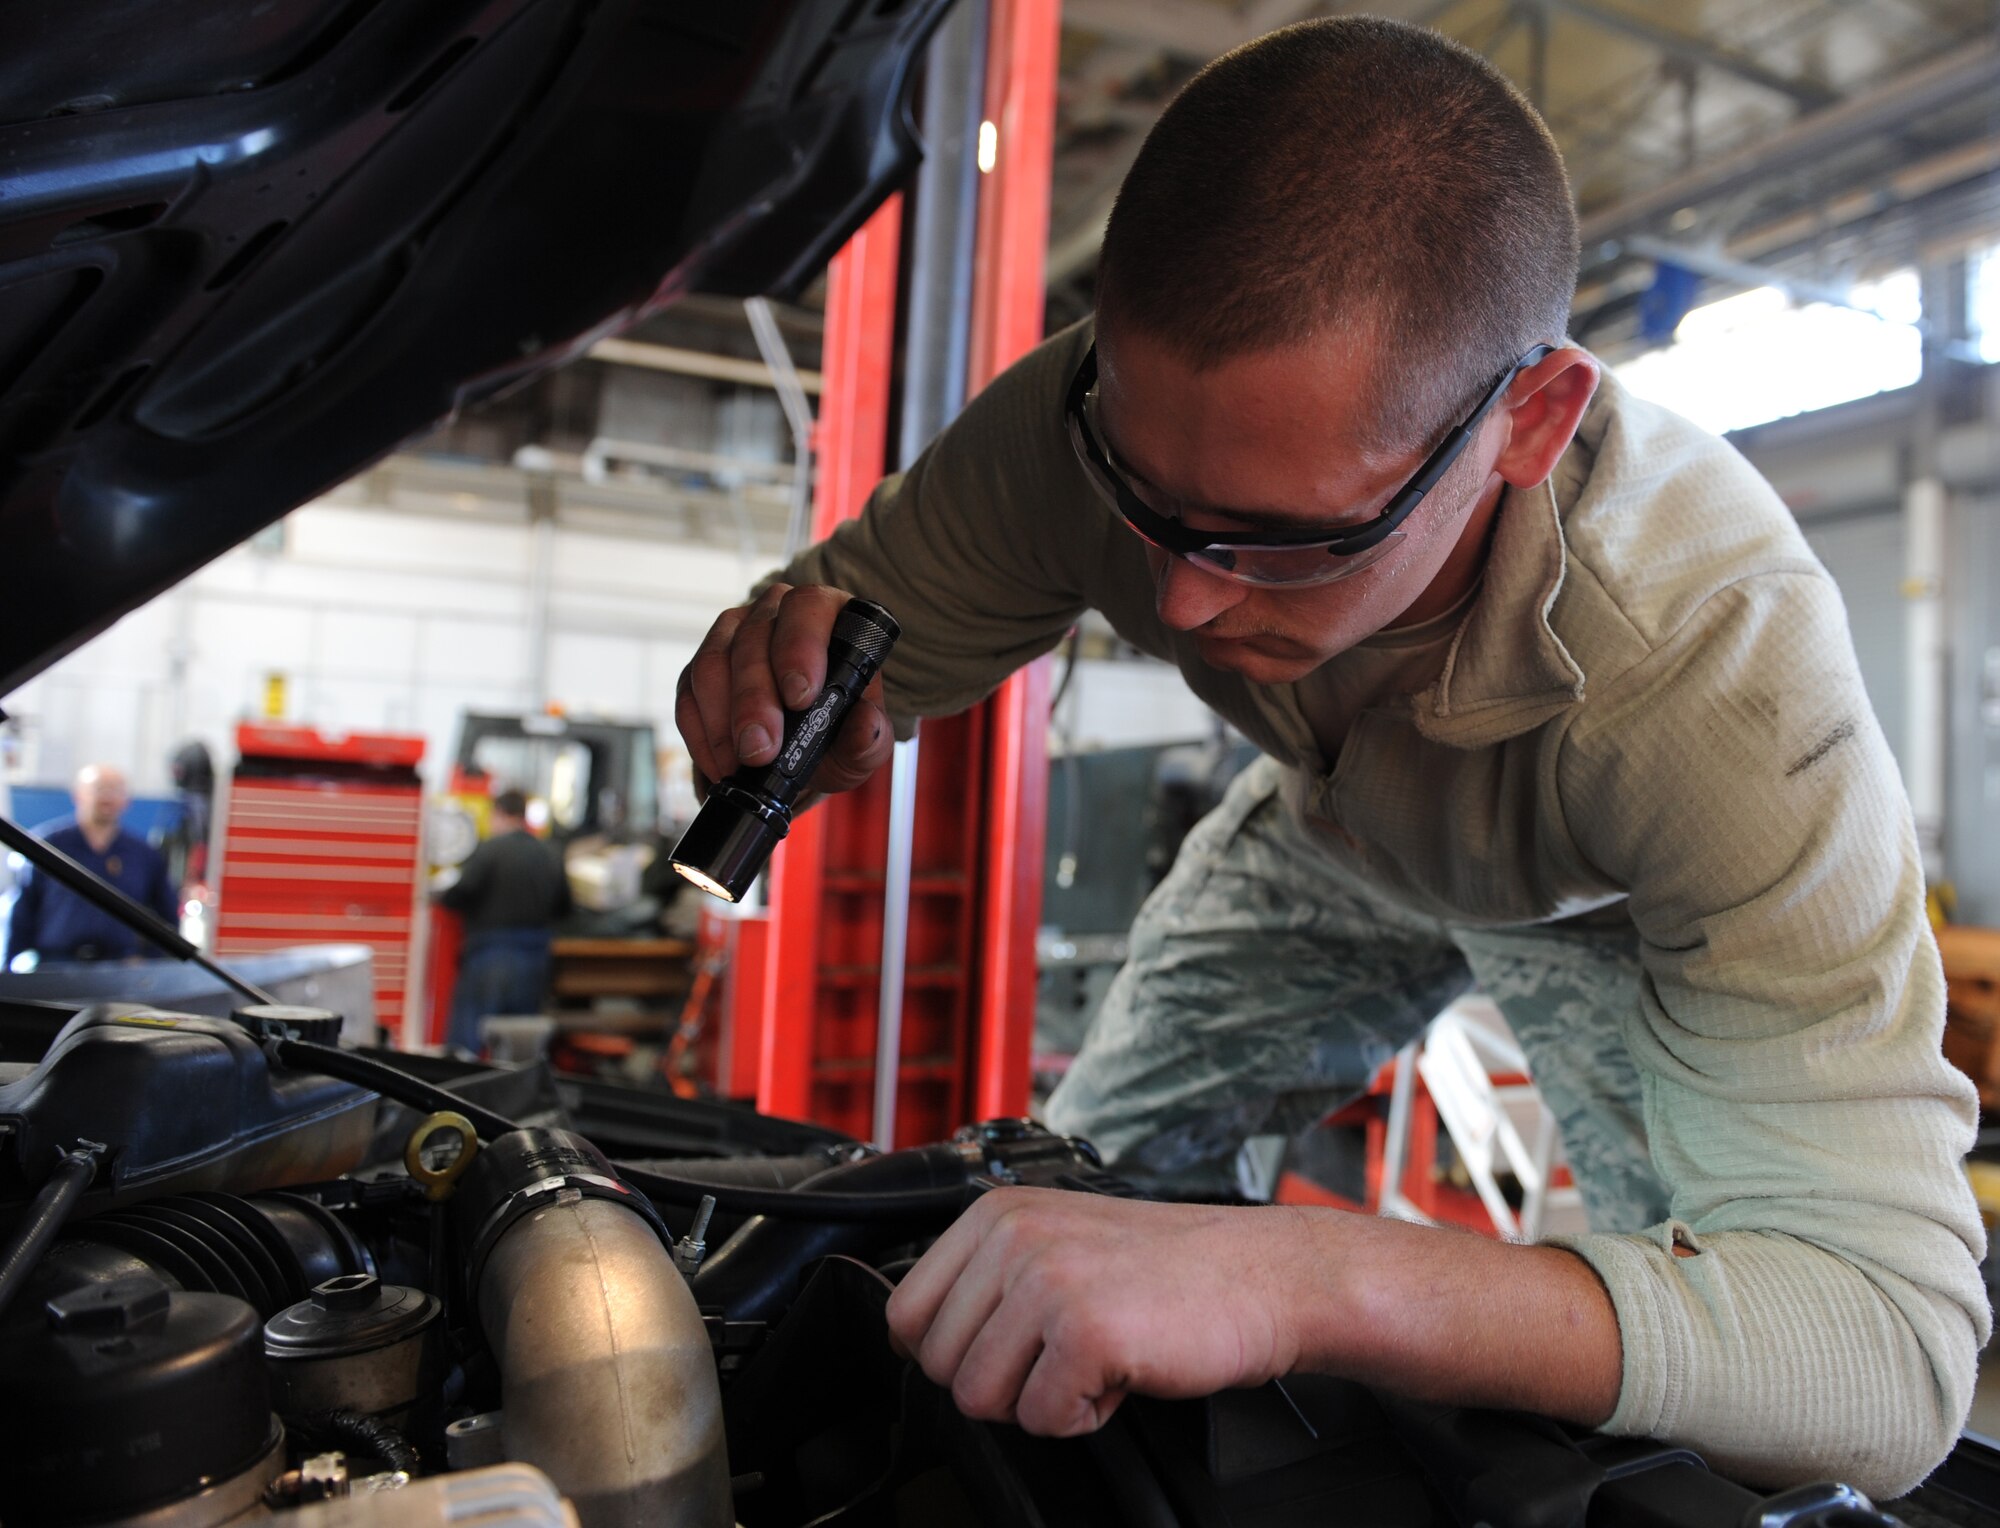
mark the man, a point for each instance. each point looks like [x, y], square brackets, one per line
[511, 891]
[1572, 714]
[55, 922]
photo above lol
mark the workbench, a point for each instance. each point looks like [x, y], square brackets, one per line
[650, 975]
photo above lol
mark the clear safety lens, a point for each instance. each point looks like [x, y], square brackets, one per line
[1289, 566]
[1270, 567]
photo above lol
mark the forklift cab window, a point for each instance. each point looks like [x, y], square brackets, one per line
[555, 770]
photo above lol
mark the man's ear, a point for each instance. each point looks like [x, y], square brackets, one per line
[1543, 408]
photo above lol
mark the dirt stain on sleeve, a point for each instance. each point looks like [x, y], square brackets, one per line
[1822, 748]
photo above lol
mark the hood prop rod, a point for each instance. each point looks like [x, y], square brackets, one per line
[94, 889]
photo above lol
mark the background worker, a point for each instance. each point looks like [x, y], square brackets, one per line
[511, 892]
[55, 922]
[1554, 697]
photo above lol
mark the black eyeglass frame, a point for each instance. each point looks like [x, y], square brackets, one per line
[1176, 537]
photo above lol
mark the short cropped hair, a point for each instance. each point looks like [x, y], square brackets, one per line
[511, 803]
[1357, 175]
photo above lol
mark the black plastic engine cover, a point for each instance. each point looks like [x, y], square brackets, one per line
[127, 1396]
[183, 1102]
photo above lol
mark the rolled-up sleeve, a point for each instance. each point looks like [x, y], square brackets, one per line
[1827, 1312]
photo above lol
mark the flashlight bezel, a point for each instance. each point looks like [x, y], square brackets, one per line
[730, 841]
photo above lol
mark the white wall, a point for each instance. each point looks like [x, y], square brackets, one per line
[1121, 703]
[401, 619]
[381, 621]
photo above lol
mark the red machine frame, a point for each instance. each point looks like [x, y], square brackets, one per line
[975, 899]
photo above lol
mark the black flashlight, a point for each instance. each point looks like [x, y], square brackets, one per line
[748, 815]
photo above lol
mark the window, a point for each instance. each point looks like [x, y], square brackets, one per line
[552, 772]
[1757, 356]
[1983, 277]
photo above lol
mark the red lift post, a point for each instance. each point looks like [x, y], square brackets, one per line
[857, 360]
[975, 893]
[1008, 282]
[822, 975]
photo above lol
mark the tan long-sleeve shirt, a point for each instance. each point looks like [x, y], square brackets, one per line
[1653, 704]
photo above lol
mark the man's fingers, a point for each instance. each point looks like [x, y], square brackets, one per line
[974, 1297]
[988, 1380]
[708, 684]
[915, 1300]
[865, 744]
[756, 663]
[687, 717]
[1066, 1393]
[756, 719]
[799, 639]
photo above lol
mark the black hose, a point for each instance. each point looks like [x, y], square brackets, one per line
[803, 1204]
[46, 1217]
[751, 1172]
[393, 1082]
[390, 1082]
[372, 1438]
[754, 1275]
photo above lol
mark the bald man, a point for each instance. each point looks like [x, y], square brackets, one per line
[55, 922]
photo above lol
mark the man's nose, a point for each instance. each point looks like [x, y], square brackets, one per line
[1186, 596]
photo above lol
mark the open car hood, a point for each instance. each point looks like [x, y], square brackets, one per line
[245, 251]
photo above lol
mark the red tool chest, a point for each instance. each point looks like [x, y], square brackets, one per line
[321, 841]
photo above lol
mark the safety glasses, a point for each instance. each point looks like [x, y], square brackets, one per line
[1263, 557]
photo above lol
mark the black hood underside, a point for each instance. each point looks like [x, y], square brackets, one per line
[245, 250]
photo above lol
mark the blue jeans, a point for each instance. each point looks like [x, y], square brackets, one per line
[499, 971]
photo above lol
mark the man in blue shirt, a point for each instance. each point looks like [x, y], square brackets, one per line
[54, 921]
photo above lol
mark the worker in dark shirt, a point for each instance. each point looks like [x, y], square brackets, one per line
[510, 892]
[55, 922]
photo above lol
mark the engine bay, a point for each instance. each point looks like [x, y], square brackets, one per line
[250, 1276]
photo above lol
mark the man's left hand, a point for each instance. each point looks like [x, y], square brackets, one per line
[1046, 1308]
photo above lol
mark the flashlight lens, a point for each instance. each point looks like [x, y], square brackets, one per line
[706, 883]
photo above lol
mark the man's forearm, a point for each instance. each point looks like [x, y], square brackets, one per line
[1047, 1308]
[1446, 1315]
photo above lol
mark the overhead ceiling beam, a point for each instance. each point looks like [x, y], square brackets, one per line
[1939, 83]
[1192, 29]
[693, 363]
[1186, 27]
[728, 312]
[1808, 93]
[1788, 234]
[409, 482]
[1744, 273]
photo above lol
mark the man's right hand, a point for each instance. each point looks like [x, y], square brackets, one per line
[760, 660]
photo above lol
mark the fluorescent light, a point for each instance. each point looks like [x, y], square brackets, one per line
[1985, 301]
[989, 147]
